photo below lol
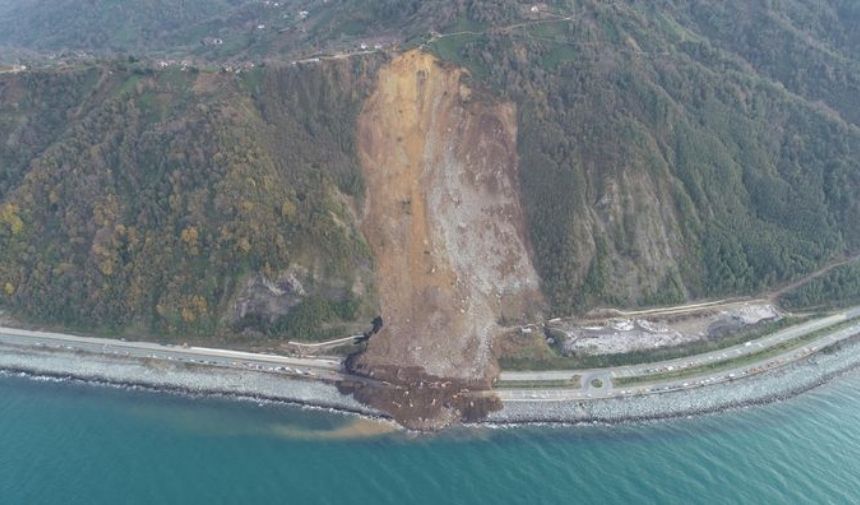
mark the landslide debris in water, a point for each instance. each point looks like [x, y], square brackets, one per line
[444, 222]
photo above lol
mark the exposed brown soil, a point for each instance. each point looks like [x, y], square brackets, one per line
[443, 219]
[422, 402]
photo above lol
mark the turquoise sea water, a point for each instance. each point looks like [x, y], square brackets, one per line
[63, 443]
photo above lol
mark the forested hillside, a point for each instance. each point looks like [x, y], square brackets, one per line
[156, 208]
[211, 30]
[105, 25]
[672, 151]
[839, 287]
[667, 150]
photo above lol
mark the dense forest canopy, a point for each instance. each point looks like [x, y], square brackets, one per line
[679, 149]
[838, 287]
[668, 150]
[161, 195]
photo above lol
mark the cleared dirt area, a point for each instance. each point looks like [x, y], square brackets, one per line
[650, 331]
[443, 219]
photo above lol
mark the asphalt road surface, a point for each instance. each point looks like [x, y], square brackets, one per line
[310, 367]
[606, 375]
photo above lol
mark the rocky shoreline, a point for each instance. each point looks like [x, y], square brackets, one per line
[178, 378]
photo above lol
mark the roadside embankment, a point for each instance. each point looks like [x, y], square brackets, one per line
[177, 377]
[766, 387]
[164, 375]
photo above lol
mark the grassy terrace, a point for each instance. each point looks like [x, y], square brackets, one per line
[574, 382]
[549, 359]
[731, 363]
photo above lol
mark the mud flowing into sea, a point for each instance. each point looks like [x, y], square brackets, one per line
[64, 443]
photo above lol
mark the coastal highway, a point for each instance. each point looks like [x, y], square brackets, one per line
[324, 368]
[606, 375]
[594, 383]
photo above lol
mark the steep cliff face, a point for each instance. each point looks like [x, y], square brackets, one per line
[443, 219]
